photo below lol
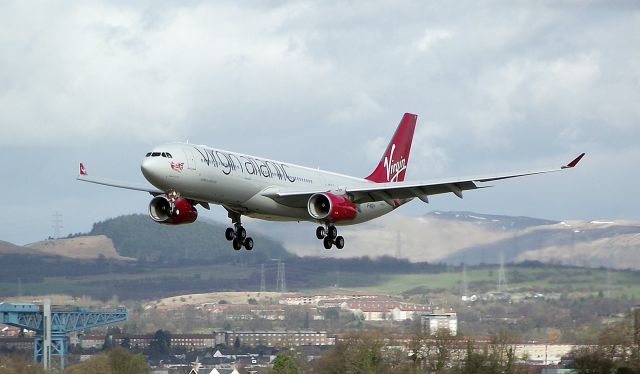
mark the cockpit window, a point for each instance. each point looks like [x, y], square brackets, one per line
[148, 154]
[164, 155]
[169, 155]
[155, 154]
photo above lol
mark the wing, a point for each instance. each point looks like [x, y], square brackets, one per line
[388, 192]
[84, 176]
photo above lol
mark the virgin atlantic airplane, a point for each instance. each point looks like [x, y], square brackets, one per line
[186, 175]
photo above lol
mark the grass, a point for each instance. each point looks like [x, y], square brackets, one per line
[87, 285]
[560, 279]
[549, 279]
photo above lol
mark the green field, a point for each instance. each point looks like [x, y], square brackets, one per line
[549, 279]
[168, 281]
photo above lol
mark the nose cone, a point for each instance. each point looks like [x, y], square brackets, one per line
[149, 169]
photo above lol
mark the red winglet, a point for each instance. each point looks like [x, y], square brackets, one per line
[83, 171]
[574, 162]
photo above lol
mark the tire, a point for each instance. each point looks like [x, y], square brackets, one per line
[333, 231]
[327, 243]
[248, 244]
[229, 234]
[339, 242]
[242, 233]
[320, 233]
[237, 244]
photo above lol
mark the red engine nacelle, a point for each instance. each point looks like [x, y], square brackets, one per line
[160, 211]
[329, 207]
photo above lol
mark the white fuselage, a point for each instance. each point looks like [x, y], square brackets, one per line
[240, 182]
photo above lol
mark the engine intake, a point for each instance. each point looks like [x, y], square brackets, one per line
[330, 207]
[160, 211]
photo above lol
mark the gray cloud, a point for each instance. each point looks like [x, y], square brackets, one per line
[497, 87]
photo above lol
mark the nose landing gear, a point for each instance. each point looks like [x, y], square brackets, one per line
[330, 237]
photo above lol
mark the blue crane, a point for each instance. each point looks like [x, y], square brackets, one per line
[52, 324]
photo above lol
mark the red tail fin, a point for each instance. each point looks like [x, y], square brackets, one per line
[393, 164]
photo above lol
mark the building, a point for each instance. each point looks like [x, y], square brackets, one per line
[247, 312]
[228, 338]
[142, 341]
[12, 331]
[434, 322]
[16, 343]
[319, 300]
[385, 309]
[278, 338]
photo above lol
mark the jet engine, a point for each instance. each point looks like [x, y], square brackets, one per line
[330, 207]
[183, 212]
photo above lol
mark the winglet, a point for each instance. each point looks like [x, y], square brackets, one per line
[83, 171]
[574, 162]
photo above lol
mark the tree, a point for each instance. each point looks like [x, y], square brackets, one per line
[160, 343]
[305, 323]
[474, 362]
[126, 342]
[284, 364]
[357, 353]
[19, 363]
[592, 361]
[98, 364]
[236, 344]
[122, 361]
[332, 313]
[115, 361]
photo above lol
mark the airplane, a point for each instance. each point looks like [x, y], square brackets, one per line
[185, 175]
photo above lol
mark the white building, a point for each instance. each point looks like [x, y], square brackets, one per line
[433, 322]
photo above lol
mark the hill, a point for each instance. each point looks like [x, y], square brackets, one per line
[139, 237]
[475, 238]
[83, 247]
[9, 248]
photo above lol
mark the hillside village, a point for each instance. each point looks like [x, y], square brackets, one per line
[201, 307]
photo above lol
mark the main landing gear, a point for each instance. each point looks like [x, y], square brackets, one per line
[329, 236]
[237, 234]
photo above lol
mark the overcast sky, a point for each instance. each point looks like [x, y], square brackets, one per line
[498, 86]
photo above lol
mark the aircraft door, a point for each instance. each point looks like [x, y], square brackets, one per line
[191, 160]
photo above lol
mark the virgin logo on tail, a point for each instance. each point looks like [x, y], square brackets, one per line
[390, 169]
[394, 168]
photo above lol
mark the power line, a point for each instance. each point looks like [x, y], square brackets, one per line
[502, 279]
[464, 286]
[263, 284]
[281, 280]
[57, 224]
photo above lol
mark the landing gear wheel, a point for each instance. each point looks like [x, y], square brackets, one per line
[339, 242]
[248, 244]
[320, 232]
[237, 244]
[241, 233]
[327, 243]
[229, 234]
[333, 231]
